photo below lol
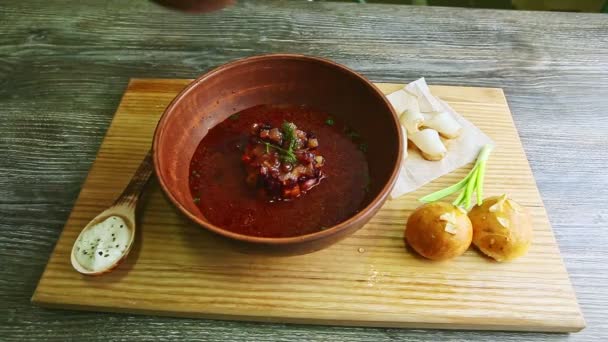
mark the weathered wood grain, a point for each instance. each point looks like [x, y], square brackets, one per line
[64, 65]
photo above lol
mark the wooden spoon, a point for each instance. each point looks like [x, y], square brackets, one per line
[107, 239]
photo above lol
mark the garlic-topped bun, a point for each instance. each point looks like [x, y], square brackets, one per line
[439, 231]
[502, 229]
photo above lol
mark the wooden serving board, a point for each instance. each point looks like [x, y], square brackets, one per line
[368, 279]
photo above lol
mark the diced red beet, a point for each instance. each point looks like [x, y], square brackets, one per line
[278, 177]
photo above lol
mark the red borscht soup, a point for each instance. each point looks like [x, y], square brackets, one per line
[279, 171]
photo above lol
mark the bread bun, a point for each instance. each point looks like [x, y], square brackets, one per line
[439, 231]
[502, 229]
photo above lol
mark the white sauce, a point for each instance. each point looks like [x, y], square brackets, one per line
[103, 244]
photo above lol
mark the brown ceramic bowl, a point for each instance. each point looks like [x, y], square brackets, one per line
[277, 79]
[195, 6]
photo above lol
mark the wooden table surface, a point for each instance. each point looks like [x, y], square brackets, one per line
[65, 64]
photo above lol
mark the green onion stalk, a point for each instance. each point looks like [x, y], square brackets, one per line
[472, 183]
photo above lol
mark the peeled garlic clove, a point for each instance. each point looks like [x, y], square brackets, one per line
[449, 217]
[450, 222]
[429, 143]
[503, 221]
[401, 101]
[411, 120]
[406, 106]
[444, 123]
[450, 228]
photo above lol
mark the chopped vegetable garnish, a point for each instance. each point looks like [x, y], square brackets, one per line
[330, 121]
[287, 156]
[473, 182]
[289, 132]
[235, 116]
[282, 162]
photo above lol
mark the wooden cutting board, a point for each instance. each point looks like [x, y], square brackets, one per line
[368, 279]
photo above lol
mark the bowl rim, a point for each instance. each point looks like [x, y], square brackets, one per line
[369, 209]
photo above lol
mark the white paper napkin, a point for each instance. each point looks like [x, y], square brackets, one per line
[417, 171]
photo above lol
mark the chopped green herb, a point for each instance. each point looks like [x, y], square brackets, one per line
[363, 147]
[235, 116]
[289, 132]
[329, 121]
[197, 200]
[289, 158]
[286, 156]
[323, 227]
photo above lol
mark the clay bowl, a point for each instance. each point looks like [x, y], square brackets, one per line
[277, 79]
[195, 6]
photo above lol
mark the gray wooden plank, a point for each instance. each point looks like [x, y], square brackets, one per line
[64, 65]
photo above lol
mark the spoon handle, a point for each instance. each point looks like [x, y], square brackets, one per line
[131, 193]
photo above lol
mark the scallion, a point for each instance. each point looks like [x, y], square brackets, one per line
[472, 183]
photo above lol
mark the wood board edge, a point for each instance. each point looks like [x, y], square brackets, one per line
[575, 325]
